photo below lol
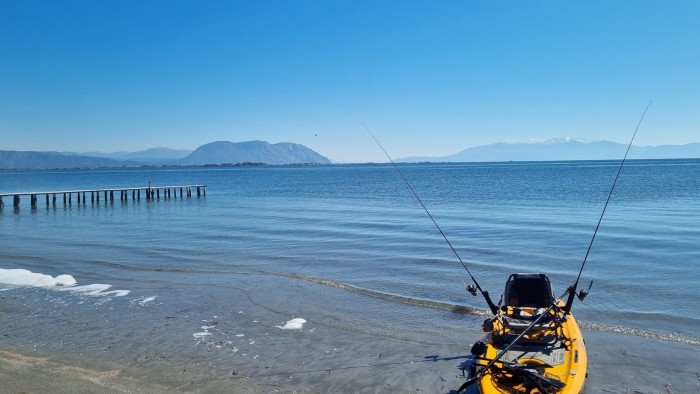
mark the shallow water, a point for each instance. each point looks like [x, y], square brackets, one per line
[276, 233]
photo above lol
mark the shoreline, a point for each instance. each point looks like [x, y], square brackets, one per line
[332, 164]
[172, 344]
[618, 364]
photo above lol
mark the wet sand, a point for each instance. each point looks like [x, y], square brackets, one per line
[618, 365]
[196, 343]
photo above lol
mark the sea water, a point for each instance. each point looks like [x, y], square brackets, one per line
[358, 229]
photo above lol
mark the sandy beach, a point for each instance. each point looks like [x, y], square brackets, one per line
[151, 349]
[619, 365]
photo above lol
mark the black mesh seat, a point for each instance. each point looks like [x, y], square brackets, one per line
[528, 291]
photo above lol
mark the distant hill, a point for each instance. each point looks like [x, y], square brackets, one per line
[148, 156]
[50, 160]
[221, 152]
[562, 149]
[253, 152]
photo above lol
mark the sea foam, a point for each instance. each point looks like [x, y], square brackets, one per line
[22, 277]
[294, 324]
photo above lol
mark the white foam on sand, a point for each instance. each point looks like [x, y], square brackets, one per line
[146, 300]
[22, 277]
[26, 278]
[294, 324]
[96, 289]
[202, 334]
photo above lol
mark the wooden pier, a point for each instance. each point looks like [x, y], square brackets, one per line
[149, 192]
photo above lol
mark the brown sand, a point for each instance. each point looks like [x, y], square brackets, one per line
[123, 347]
[618, 364]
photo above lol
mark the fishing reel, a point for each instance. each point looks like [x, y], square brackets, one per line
[470, 288]
[583, 293]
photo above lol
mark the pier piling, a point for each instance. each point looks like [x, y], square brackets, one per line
[152, 194]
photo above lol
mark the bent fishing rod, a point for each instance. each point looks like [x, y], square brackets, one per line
[471, 288]
[572, 289]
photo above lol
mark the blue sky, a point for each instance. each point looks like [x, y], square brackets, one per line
[428, 78]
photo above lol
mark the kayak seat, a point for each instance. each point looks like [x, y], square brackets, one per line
[528, 291]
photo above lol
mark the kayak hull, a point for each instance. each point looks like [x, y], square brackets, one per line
[550, 358]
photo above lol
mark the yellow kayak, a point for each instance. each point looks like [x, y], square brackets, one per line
[532, 345]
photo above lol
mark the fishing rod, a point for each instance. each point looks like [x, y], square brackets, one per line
[570, 291]
[512, 343]
[505, 350]
[471, 288]
[572, 288]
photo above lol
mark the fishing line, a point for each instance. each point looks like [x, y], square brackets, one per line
[420, 201]
[605, 207]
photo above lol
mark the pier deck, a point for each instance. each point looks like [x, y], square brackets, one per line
[150, 193]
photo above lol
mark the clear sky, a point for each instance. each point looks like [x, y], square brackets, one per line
[428, 78]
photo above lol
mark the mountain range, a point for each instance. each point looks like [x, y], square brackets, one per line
[214, 153]
[153, 155]
[562, 149]
[284, 153]
[253, 152]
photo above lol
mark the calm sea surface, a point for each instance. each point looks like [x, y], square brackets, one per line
[360, 225]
